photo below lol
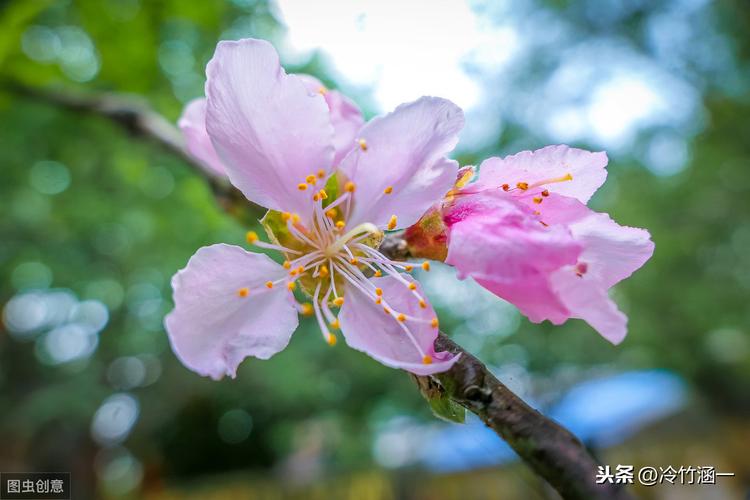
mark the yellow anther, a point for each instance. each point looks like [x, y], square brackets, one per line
[412, 286]
[340, 224]
[392, 223]
[408, 268]
[378, 292]
[362, 144]
[426, 359]
[378, 300]
[243, 292]
[401, 317]
[505, 187]
[287, 264]
[293, 272]
[545, 193]
[537, 199]
[434, 323]
[426, 266]
[331, 213]
[307, 309]
[321, 173]
[269, 284]
[251, 237]
[295, 218]
[388, 190]
[350, 187]
[301, 269]
[302, 186]
[378, 273]
[324, 271]
[311, 179]
[335, 324]
[285, 216]
[422, 304]
[291, 286]
[338, 301]
[331, 339]
[386, 310]
[323, 194]
[465, 178]
[523, 186]
[316, 197]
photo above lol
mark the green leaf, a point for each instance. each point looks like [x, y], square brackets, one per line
[445, 408]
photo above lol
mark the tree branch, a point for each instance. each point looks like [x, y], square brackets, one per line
[552, 451]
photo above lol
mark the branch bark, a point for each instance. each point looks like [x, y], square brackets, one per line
[552, 451]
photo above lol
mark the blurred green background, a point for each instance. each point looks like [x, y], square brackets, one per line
[94, 223]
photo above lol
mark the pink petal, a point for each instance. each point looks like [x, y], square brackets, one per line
[192, 123]
[367, 328]
[346, 117]
[405, 151]
[553, 162]
[212, 328]
[268, 129]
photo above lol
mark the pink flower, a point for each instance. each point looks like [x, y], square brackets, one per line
[523, 231]
[332, 188]
[345, 117]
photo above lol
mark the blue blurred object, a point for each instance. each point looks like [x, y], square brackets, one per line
[600, 412]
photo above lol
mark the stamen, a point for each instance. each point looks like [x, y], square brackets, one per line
[285, 216]
[331, 339]
[251, 237]
[426, 266]
[354, 261]
[401, 317]
[350, 187]
[388, 190]
[564, 178]
[311, 179]
[408, 268]
[523, 186]
[537, 199]
[412, 286]
[340, 224]
[545, 193]
[243, 292]
[434, 323]
[324, 271]
[323, 194]
[422, 304]
[335, 324]
[392, 223]
[269, 284]
[287, 264]
[321, 173]
[426, 359]
[291, 286]
[301, 186]
[307, 309]
[378, 273]
[338, 301]
[362, 144]
[331, 213]
[336, 247]
[378, 291]
[506, 187]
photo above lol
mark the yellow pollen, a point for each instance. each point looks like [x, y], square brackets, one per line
[322, 90]
[362, 144]
[388, 190]
[434, 323]
[378, 300]
[523, 186]
[301, 269]
[545, 193]
[426, 359]
[295, 218]
[269, 284]
[251, 237]
[321, 173]
[316, 197]
[537, 199]
[338, 301]
[544, 223]
[324, 271]
[386, 310]
[243, 292]
[335, 324]
[285, 216]
[340, 224]
[331, 213]
[392, 223]
[422, 304]
[506, 187]
[354, 261]
[311, 179]
[378, 291]
[323, 194]
[291, 286]
[426, 266]
[293, 272]
[307, 309]
[401, 317]
[465, 178]
[287, 264]
[301, 186]
[412, 286]
[350, 187]
[331, 339]
[378, 273]
[409, 268]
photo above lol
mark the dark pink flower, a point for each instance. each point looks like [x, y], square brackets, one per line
[524, 232]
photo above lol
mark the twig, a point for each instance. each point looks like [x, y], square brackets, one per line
[552, 451]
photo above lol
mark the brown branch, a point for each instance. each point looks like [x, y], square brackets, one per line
[552, 451]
